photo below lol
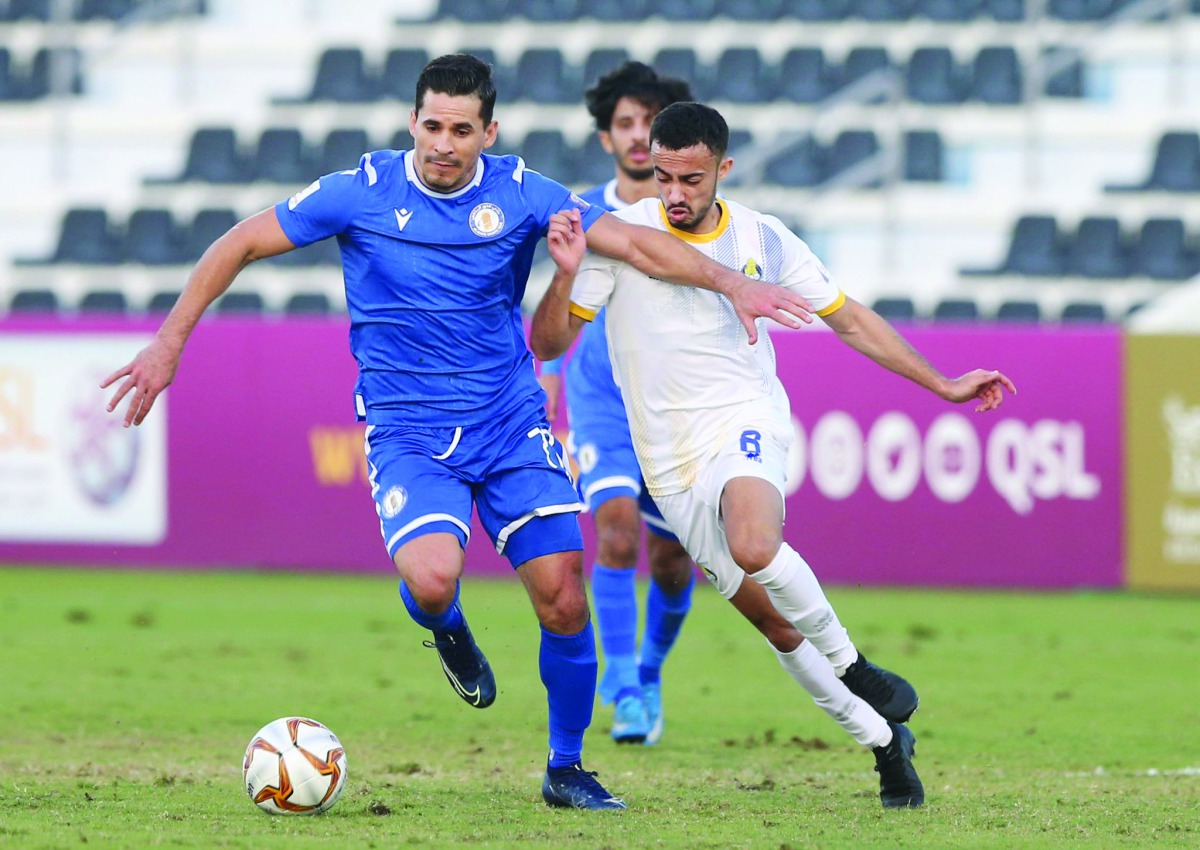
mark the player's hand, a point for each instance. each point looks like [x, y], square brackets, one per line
[147, 375]
[987, 386]
[551, 383]
[566, 240]
[753, 299]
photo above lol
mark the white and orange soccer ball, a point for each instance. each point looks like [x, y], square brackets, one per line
[294, 766]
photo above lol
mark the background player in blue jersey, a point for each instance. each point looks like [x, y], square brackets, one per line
[436, 246]
[623, 104]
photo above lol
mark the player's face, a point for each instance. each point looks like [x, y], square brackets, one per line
[687, 185]
[448, 137]
[628, 137]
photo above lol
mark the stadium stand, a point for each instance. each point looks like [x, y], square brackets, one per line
[911, 141]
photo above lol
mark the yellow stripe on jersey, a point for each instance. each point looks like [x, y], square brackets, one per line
[835, 306]
[582, 312]
[715, 233]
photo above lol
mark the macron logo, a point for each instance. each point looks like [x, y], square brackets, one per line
[402, 217]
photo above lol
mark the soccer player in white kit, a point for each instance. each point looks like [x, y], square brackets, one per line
[711, 422]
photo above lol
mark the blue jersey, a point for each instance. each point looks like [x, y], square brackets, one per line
[589, 371]
[434, 282]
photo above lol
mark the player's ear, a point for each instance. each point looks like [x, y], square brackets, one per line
[412, 122]
[606, 141]
[724, 168]
[489, 134]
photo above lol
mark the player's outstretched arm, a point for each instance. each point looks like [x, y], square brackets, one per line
[866, 331]
[554, 327]
[661, 255]
[153, 369]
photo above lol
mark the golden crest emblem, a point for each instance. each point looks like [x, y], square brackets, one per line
[486, 220]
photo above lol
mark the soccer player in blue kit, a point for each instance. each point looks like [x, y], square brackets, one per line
[436, 247]
[623, 104]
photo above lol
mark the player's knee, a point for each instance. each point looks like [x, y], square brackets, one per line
[566, 612]
[670, 566]
[753, 551]
[617, 544]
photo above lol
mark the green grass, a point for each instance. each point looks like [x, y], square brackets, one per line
[126, 700]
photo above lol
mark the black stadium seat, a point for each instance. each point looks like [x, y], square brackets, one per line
[951, 11]
[28, 10]
[543, 76]
[1162, 251]
[162, 302]
[895, 309]
[401, 67]
[104, 302]
[798, 165]
[804, 76]
[601, 61]
[1019, 311]
[547, 152]
[956, 310]
[207, 227]
[342, 150]
[742, 77]
[280, 157]
[923, 154]
[682, 64]
[934, 77]
[1098, 250]
[817, 10]
[8, 84]
[1006, 11]
[1083, 311]
[85, 237]
[238, 302]
[151, 238]
[473, 11]
[1036, 249]
[884, 10]
[103, 10]
[342, 77]
[34, 301]
[308, 304]
[591, 164]
[547, 11]
[1176, 163]
[684, 10]
[850, 148]
[213, 157]
[617, 10]
[996, 76]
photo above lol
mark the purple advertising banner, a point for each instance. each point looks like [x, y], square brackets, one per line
[891, 485]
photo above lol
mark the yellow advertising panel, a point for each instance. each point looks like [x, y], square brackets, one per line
[1162, 466]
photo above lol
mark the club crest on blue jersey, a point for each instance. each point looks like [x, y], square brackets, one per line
[752, 269]
[393, 502]
[486, 220]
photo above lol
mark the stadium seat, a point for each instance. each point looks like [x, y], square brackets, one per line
[923, 156]
[402, 140]
[104, 302]
[280, 157]
[684, 10]
[162, 302]
[749, 10]
[800, 164]
[34, 301]
[804, 76]
[591, 165]
[401, 67]
[996, 76]
[739, 139]
[1064, 72]
[342, 77]
[1005, 11]
[949, 11]
[213, 157]
[617, 10]
[884, 10]
[1036, 249]
[103, 10]
[851, 148]
[500, 72]
[546, 11]
[239, 302]
[342, 149]
[1019, 311]
[682, 64]
[1176, 163]
[1083, 311]
[85, 237]
[1162, 251]
[547, 152]
[308, 304]
[51, 67]
[543, 76]
[933, 77]
[8, 84]
[895, 309]
[151, 238]
[862, 62]
[28, 10]
[742, 77]
[816, 11]
[207, 227]
[956, 310]
[1098, 250]
[601, 61]
[473, 11]
[1079, 10]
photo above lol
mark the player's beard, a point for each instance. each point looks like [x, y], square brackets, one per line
[638, 174]
[442, 180]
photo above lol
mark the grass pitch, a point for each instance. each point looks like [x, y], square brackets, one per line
[127, 699]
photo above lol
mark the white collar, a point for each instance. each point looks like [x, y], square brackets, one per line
[411, 172]
[610, 196]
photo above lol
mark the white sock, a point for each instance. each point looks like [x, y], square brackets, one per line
[797, 595]
[814, 673]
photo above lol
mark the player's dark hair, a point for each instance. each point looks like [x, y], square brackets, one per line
[682, 125]
[458, 74]
[638, 81]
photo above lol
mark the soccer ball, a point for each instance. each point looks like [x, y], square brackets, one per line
[294, 766]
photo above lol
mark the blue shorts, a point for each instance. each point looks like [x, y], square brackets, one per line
[599, 441]
[514, 472]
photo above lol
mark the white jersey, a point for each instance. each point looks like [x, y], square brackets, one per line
[688, 374]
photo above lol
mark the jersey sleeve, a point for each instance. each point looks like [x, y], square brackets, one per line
[593, 285]
[325, 207]
[547, 197]
[806, 275]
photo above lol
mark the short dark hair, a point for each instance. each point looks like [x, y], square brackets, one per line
[458, 74]
[638, 81]
[682, 125]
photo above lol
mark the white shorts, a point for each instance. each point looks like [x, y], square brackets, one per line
[695, 515]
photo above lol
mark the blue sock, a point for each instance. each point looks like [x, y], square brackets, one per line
[568, 667]
[448, 620]
[615, 595]
[664, 617]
